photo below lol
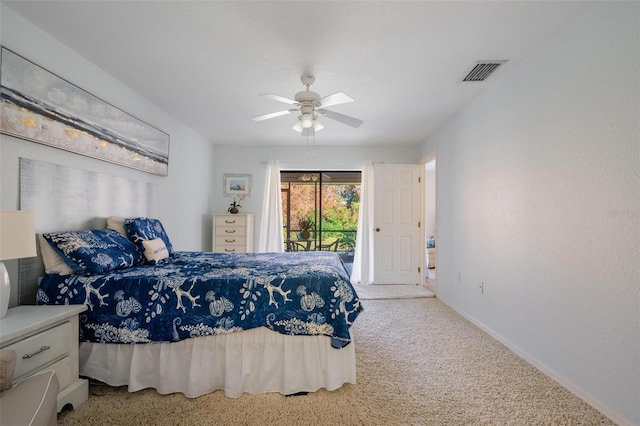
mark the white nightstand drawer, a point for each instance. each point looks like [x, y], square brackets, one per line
[39, 349]
[231, 220]
[63, 371]
[48, 335]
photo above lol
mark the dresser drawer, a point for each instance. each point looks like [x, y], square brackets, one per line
[231, 220]
[231, 249]
[42, 348]
[230, 231]
[229, 240]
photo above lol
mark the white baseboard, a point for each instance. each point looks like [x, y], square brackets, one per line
[563, 381]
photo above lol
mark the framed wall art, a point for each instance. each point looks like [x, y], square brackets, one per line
[237, 185]
[39, 106]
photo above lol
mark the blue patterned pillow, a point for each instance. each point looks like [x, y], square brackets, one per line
[140, 229]
[94, 251]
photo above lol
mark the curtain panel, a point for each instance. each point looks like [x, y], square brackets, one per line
[362, 272]
[271, 239]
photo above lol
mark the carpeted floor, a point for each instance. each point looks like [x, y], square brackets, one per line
[419, 363]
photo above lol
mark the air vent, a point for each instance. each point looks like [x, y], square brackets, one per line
[482, 70]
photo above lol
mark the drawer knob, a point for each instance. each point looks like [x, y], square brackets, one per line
[229, 241]
[31, 355]
[229, 250]
[230, 231]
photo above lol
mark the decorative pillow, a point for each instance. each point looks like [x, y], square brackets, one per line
[155, 250]
[117, 224]
[7, 367]
[94, 251]
[140, 229]
[53, 262]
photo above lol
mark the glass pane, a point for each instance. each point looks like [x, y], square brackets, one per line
[329, 199]
[284, 195]
[303, 204]
[340, 205]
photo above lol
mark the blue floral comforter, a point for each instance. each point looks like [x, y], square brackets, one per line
[198, 294]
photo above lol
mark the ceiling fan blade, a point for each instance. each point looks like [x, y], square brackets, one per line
[344, 119]
[279, 98]
[271, 115]
[335, 99]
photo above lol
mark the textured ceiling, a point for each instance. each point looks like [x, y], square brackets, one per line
[206, 62]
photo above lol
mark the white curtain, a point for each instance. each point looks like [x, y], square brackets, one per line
[362, 272]
[271, 239]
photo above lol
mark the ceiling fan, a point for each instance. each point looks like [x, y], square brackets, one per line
[310, 105]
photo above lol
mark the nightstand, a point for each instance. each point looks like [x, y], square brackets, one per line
[46, 338]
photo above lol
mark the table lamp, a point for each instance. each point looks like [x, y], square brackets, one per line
[17, 240]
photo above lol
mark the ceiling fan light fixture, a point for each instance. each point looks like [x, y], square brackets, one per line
[309, 105]
[307, 120]
[306, 177]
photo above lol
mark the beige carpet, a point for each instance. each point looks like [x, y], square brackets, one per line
[419, 363]
[392, 291]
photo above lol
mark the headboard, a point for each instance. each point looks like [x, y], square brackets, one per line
[65, 198]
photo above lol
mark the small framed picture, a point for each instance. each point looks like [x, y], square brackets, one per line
[237, 185]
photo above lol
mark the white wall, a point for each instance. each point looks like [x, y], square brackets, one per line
[185, 204]
[430, 199]
[538, 196]
[252, 160]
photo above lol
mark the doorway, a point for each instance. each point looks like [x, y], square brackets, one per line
[430, 223]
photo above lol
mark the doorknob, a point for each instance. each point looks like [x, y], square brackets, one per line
[377, 229]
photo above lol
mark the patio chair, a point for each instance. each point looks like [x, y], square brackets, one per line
[330, 247]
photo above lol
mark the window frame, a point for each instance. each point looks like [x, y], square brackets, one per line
[319, 234]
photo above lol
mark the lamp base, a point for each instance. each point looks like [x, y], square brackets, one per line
[5, 290]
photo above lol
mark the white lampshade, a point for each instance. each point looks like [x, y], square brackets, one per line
[307, 120]
[17, 235]
[298, 126]
[17, 240]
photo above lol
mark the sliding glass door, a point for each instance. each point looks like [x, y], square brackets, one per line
[327, 201]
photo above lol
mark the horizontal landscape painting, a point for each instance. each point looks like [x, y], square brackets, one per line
[39, 106]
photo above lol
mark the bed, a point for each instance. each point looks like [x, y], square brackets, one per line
[196, 322]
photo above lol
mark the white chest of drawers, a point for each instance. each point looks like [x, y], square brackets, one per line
[233, 233]
[431, 257]
[46, 338]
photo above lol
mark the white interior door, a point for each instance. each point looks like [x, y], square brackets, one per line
[397, 240]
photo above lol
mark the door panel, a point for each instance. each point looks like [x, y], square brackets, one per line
[397, 247]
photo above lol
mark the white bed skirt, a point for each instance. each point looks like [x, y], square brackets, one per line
[252, 361]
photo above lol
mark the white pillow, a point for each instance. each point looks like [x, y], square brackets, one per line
[53, 262]
[117, 224]
[155, 250]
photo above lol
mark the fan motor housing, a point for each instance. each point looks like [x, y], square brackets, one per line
[308, 97]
